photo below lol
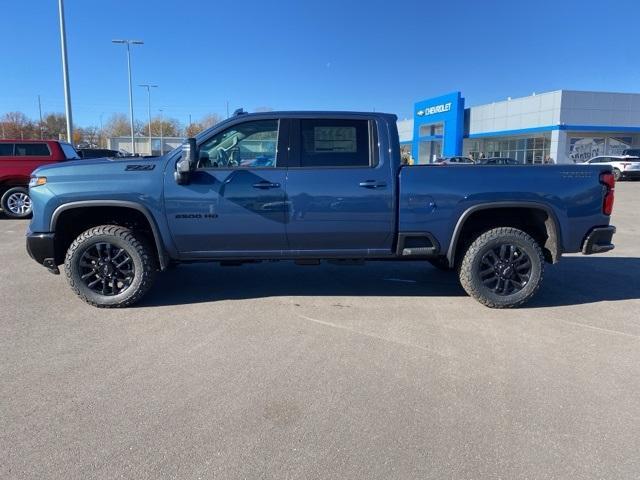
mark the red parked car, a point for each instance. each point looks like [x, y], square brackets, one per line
[18, 158]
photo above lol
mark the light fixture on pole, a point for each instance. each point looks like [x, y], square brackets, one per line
[149, 87]
[128, 43]
[65, 72]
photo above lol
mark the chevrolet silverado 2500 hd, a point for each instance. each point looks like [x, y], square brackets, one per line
[307, 187]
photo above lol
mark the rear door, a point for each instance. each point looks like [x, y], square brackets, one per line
[234, 205]
[30, 155]
[339, 189]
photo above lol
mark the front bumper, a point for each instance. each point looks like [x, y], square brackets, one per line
[630, 174]
[41, 247]
[599, 240]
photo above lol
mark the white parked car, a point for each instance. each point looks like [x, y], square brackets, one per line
[624, 166]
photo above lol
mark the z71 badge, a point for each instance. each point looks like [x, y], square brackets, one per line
[140, 168]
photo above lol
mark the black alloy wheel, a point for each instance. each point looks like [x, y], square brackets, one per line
[506, 269]
[106, 269]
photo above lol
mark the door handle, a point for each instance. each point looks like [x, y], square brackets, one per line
[373, 184]
[264, 185]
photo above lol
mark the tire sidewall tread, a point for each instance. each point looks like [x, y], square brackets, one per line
[471, 283]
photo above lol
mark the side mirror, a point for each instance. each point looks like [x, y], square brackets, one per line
[187, 162]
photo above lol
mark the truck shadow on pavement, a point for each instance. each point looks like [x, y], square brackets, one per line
[575, 280]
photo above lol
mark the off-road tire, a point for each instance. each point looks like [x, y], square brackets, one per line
[470, 276]
[143, 260]
[441, 263]
[4, 202]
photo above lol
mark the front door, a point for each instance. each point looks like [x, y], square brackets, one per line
[234, 205]
[340, 196]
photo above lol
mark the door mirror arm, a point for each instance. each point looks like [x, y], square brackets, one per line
[187, 162]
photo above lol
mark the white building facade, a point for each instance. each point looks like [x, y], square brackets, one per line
[562, 126]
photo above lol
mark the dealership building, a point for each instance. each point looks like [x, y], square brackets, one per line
[563, 126]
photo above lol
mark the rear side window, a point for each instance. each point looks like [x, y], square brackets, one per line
[6, 149]
[69, 152]
[334, 143]
[32, 150]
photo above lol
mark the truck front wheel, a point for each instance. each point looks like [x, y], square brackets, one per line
[109, 266]
[503, 268]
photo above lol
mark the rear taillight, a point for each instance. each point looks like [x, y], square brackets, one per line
[609, 181]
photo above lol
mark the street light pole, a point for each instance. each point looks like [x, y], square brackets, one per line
[149, 87]
[101, 132]
[65, 72]
[161, 133]
[128, 43]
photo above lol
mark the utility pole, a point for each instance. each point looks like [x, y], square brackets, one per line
[65, 72]
[227, 108]
[149, 87]
[161, 133]
[128, 43]
[101, 132]
[40, 111]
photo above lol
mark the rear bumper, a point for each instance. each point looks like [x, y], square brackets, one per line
[599, 240]
[41, 247]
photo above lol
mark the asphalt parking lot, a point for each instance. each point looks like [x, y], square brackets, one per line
[275, 371]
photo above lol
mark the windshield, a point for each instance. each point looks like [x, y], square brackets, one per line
[69, 152]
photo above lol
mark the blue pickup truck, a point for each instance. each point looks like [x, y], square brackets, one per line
[307, 187]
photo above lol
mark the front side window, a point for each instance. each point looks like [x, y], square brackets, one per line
[6, 149]
[245, 145]
[32, 150]
[334, 143]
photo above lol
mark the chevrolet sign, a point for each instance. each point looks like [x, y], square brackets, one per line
[443, 107]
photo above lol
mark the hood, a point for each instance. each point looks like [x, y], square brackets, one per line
[100, 166]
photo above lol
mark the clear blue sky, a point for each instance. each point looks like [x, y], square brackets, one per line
[329, 54]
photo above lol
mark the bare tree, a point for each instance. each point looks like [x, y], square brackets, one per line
[205, 122]
[18, 125]
[170, 127]
[54, 125]
[210, 120]
[117, 126]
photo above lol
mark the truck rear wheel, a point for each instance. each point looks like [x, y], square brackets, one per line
[16, 202]
[503, 268]
[109, 266]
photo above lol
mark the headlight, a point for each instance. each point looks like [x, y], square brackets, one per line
[37, 181]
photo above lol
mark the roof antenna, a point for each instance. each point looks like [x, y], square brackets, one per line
[239, 111]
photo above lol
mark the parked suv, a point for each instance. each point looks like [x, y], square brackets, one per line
[499, 161]
[624, 166]
[18, 158]
[631, 152]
